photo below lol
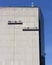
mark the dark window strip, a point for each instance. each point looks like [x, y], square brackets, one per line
[30, 29]
[15, 23]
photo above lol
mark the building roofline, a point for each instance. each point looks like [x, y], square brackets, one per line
[19, 7]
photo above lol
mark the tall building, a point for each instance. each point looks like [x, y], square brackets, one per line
[21, 36]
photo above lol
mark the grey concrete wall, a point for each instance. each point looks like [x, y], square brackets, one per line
[18, 47]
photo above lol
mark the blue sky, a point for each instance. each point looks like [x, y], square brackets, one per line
[46, 6]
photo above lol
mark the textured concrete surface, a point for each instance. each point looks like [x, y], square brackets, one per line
[19, 47]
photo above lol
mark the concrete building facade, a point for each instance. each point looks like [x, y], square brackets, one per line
[21, 36]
